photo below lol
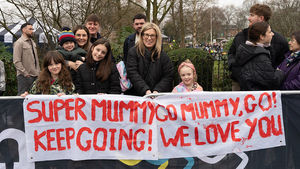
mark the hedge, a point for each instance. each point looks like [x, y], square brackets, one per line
[202, 61]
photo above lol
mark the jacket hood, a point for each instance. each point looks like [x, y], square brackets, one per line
[246, 52]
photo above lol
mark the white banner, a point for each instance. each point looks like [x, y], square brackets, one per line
[216, 123]
[169, 126]
[89, 127]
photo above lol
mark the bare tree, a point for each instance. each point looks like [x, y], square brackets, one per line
[197, 7]
[285, 18]
[159, 10]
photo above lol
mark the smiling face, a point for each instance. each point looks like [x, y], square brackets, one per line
[149, 38]
[81, 37]
[93, 27]
[99, 52]
[54, 69]
[187, 76]
[69, 45]
[294, 45]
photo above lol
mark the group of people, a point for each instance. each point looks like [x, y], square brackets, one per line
[83, 63]
[260, 59]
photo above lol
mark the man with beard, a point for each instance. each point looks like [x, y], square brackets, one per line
[138, 22]
[26, 59]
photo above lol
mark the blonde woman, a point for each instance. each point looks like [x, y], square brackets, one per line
[149, 68]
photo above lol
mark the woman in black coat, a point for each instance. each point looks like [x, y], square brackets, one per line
[149, 69]
[255, 68]
[99, 74]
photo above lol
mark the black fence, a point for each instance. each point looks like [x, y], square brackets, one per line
[221, 75]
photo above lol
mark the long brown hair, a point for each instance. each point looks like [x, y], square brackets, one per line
[88, 44]
[104, 67]
[141, 46]
[44, 79]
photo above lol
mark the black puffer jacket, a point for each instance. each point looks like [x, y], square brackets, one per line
[256, 71]
[87, 83]
[147, 75]
[278, 48]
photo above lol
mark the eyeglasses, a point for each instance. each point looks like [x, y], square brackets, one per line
[151, 36]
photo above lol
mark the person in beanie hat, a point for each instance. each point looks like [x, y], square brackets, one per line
[66, 36]
[73, 55]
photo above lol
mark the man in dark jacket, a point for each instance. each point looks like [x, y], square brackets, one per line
[138, 22]
[277, 48]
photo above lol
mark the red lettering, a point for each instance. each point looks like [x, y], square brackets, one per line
[115, 117]
[142, 143]
[260, 127]
[68, 109]
[252, 126]
[57, 107]
[246, 103]
[78, 139]
[95, 104]
[69, 136]
[215, 132]
[104, 140]
[37, 141]
[219, 104]
[269, 101]
[187, 108]
[183, 135]
[211, 106]
[128, 139]
[224, 136]
[79, 104]
[274, 130]
[234, 131]
[197, 142]
[39, 117]
[112, 139]
[203, 113]
[130, 105]
[174, 111]
[50, 118]
[50, 139]
[235, 104]
[174, 141]
[152, 112]
[157, 114]
[59, 139]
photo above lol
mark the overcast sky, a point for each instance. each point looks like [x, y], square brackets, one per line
[222, 3]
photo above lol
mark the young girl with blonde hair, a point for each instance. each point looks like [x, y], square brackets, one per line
[188, 75]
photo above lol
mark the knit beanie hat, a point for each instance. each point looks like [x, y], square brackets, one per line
[66, 35]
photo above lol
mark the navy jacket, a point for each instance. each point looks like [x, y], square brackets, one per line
[128, 43]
